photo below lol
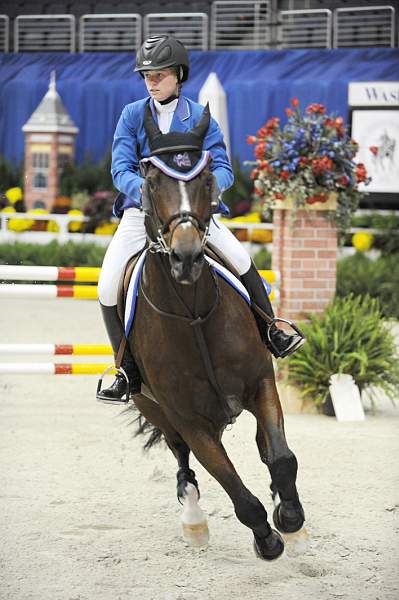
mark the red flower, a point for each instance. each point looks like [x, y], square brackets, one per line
[320, 165]
[320, 197]
[285, 175]
[374, 150]
[316, 108]
[294, 102]
[361, 173]
[265, 165]
[289, 112]
[343, 180]
[262, 132]
[329, 122]
[258, 191]
[304, 160]
[260, 150]
[254, 173]
[251, 139]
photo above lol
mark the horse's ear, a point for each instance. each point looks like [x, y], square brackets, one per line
[151, 128]
[202, 126]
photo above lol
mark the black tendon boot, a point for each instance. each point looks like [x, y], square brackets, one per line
[118, 392]
[279, 343]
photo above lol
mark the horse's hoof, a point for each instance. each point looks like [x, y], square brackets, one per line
[269, 547]
[288, 516]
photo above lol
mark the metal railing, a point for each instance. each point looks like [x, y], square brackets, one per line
[190, 28]
[305, 28]
[52, 33]
[240, 25]
[364, 27]
[4, 33]
[109, 33]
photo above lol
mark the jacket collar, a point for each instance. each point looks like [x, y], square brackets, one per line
[181, 114]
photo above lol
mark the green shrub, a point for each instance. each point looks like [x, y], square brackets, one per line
[351, 337]
[387, 241]
[88, 177]
[379, 278]
[71, 254]
[239, 196]
[263, 259]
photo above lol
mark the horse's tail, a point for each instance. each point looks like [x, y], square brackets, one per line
[153, 434]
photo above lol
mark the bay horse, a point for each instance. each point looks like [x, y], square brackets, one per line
[198, 347]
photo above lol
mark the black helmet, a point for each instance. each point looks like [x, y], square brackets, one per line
[160, 52]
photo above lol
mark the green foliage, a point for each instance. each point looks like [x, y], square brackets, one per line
[238, 197]
[351, 337]
[388, 240]
[263, 259]
[88, 177]
[71, 254]
[10, 175]
[379, 278]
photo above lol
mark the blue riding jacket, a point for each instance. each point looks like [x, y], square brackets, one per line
[130, 145]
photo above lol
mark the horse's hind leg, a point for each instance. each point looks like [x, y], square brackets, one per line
[155, 415]
[282, 463]
[211, 454]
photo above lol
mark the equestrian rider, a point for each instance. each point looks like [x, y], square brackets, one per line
[163, 63]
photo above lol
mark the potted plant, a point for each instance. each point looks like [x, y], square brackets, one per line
[307, 163]
[350, 337]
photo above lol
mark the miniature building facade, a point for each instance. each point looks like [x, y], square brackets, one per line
[50, 136]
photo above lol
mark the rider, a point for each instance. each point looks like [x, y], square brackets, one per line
[164, 64]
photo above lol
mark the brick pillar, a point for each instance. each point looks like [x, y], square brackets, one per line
[305, 253]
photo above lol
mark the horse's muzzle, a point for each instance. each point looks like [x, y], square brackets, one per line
[186, 266]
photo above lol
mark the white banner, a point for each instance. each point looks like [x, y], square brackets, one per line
[373, 93]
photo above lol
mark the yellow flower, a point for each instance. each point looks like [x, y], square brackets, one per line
[106, 229]
[362, 241]
[53, 226]
[14, 194]
[75, 225]
[263, 236]
[8, 209]
[20, 224]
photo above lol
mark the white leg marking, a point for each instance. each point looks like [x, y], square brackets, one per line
[193, 519]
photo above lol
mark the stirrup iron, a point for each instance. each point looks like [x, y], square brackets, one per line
[295, 328]
[100, 381]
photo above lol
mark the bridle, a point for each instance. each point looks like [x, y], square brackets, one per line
[159, 229]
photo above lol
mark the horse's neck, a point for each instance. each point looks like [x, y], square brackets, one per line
[186, 300]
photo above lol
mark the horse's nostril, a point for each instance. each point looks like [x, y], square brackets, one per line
[198, 258]
[175, 257]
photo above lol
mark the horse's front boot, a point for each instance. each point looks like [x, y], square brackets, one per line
[269, 547]
[118, 391]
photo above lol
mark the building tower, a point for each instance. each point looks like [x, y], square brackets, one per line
[50, 137]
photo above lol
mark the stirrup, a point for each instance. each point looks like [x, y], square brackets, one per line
[100, 381]
[276, 351]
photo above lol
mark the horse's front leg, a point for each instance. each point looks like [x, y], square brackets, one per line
[274, 451]
[211, 454]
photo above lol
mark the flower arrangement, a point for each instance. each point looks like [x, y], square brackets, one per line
[309, 160]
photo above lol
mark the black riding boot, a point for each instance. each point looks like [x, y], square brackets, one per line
[279, 343]
[117, 392]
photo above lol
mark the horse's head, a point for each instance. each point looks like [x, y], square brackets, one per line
[179, 195]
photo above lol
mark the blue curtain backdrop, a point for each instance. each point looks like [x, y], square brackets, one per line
[259, 84]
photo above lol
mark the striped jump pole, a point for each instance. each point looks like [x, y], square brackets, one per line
[20, 290]
[31, 273]
[56, 349]
[53, 368]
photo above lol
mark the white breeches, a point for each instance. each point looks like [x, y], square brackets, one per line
[130, 238]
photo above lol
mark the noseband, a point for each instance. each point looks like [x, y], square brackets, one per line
[159, 244]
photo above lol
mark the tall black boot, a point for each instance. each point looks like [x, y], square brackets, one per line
[279, 343]
[118, 392]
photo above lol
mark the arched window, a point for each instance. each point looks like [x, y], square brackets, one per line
[40, 181]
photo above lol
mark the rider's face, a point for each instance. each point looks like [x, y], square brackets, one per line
[161, 84]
